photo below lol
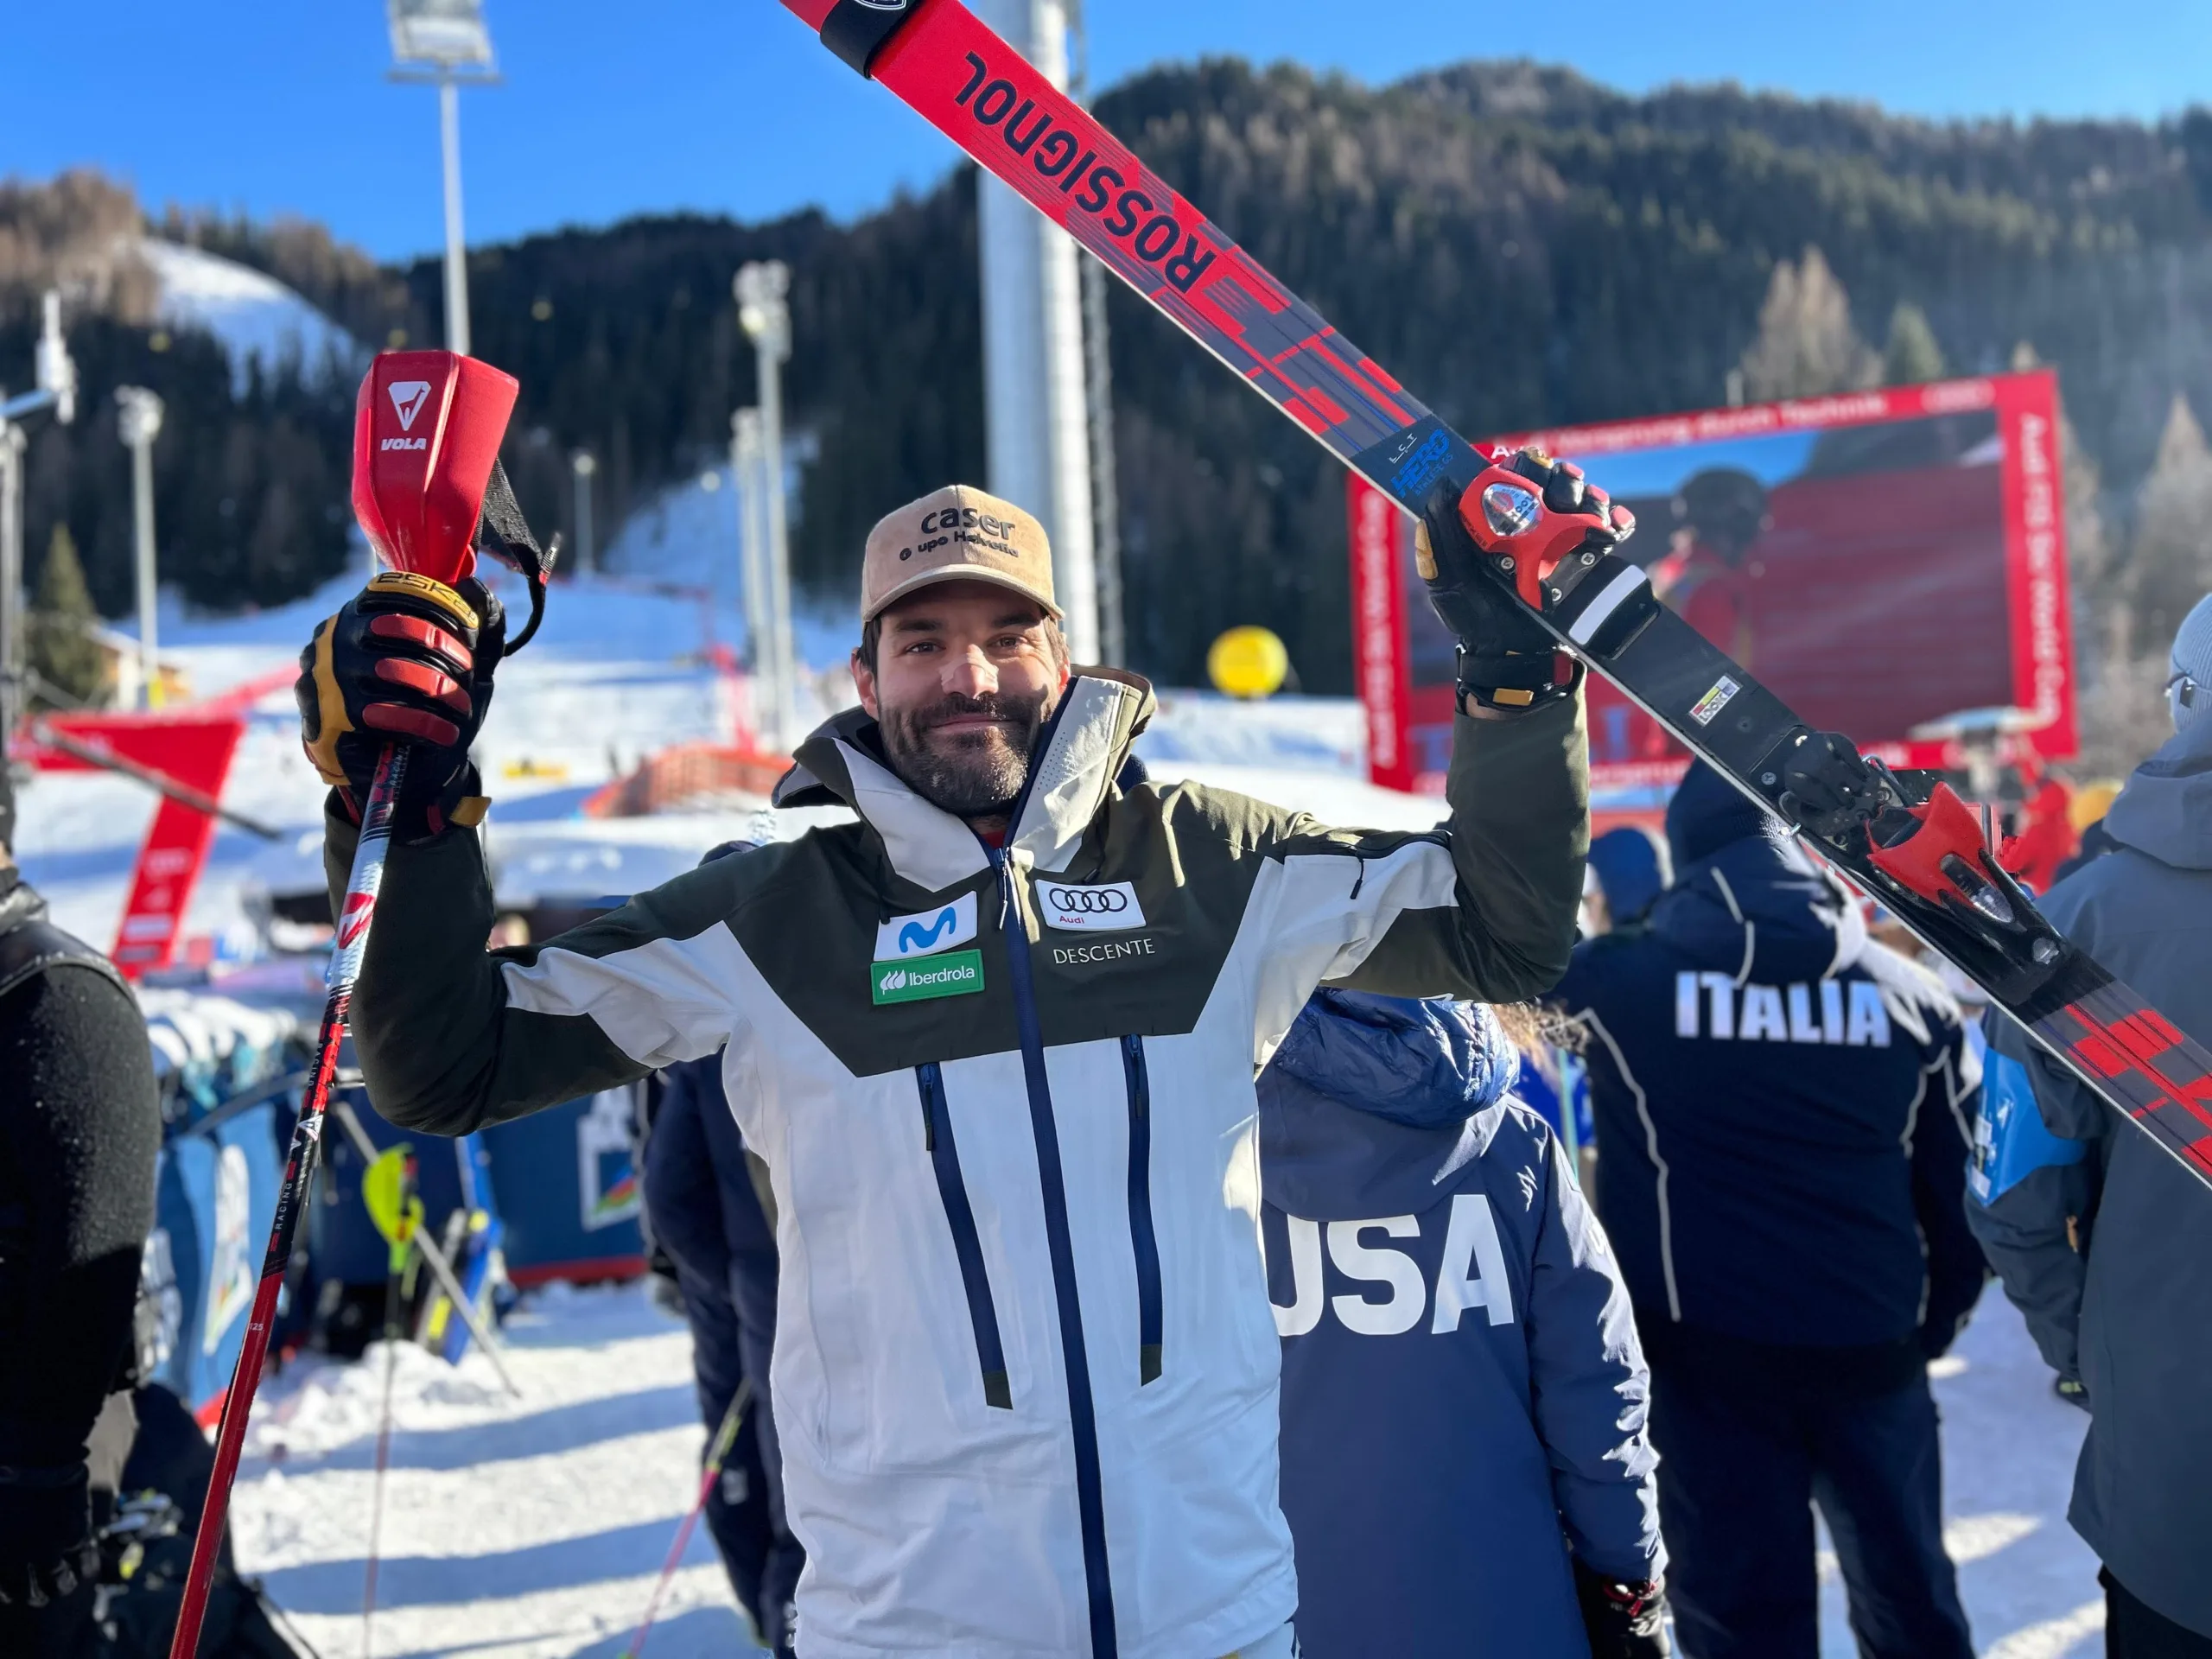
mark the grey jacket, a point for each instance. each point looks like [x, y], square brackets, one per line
[2126, 1313]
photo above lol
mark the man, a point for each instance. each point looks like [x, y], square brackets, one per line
[1464, 1469]
[1780, 1107]
[2103, 1242]
[80, 1126]
[995, 1042]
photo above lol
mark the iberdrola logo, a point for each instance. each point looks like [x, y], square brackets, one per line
[955, 973]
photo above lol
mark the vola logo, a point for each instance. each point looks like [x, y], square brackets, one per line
[408, 398]
[927, 933]
[956, 974]
[1108, 906]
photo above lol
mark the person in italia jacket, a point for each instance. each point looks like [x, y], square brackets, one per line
[995, 1040]
[1463, 1392]
[1783, 1110]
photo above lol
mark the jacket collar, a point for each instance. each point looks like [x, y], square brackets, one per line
[1071, 779]
[19, 901]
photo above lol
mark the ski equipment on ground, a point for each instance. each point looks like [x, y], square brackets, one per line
[426, 445]
[718, 1452]
[1904, 838]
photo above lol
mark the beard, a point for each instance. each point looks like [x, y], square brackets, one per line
[976, 773]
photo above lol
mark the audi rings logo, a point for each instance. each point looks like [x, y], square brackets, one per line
[1089, 901]
[1106, 908]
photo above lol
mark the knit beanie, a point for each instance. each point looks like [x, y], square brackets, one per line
[2192, 658]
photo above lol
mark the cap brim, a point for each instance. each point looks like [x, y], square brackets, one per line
[923, 579]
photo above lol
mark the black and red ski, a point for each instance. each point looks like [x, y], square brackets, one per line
[1918, 849]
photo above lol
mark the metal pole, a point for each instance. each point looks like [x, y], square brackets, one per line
[760, 289]
[584, 464]
[140, 421]
[745, 470]
[456, 249]
[779, 546]
[11, 580]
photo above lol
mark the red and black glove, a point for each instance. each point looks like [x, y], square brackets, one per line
[1507, 659]
[407, 660]
[1624, 1620]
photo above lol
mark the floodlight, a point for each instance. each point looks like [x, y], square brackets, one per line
[449, 33]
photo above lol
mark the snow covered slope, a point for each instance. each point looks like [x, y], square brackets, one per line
[533, 1530]
[252, 314]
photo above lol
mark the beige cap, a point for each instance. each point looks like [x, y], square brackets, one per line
[955, 534]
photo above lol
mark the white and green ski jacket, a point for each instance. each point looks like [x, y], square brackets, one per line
[1024, 1374]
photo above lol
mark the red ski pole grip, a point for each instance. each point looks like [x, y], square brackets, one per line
[427, 428]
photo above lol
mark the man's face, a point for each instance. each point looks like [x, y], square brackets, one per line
[965, 674]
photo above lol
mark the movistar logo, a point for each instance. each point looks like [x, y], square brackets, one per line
[927, 933]
[953, 975]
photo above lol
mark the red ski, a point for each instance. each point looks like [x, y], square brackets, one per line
[1917, 847]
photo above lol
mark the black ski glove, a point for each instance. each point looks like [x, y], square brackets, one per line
[1507, 660]
[407, 660]
[1623, 1620]
[47, 1551]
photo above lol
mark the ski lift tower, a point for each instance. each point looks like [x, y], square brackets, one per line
[1036, 406]
[56, 375]
[445, 43]
[760, 289]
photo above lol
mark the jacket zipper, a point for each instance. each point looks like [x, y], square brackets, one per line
[1143, 1240]
[1082, 1420]
[960, 1217]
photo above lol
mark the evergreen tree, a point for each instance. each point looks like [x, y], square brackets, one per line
[2169, 563]
[63, 653]
[1806, 345]
[1912, 355]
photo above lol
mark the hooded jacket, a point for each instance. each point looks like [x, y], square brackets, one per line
[2125, 1314]
[1024, 1373]
[1783, 1107]
[1462, 1388]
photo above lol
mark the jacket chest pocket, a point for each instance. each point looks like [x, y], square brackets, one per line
[966, 1245]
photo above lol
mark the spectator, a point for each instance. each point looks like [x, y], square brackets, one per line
[1780, 1108]
[1466, 1473]
[80, 1126]
[1631, 868]
[2101, 1239]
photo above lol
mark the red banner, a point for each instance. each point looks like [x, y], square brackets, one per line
[192, 750]
[1883, 560]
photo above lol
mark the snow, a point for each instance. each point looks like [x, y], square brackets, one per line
[534, 1528]
[253, 314]
[511, 1529]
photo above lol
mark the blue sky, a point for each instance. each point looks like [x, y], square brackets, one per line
[730, 105]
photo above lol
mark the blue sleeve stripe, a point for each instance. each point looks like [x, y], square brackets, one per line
[2011, 1141]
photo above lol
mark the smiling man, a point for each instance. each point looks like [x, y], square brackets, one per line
[996, 1041]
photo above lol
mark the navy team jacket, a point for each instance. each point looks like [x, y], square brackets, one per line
[1782, 1109]
[1463, 1396]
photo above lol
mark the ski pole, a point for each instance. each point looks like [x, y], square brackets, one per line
[717, 1453]
[441, 1264]
[361, 890]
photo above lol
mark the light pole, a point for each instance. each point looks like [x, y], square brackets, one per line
[57, 389]
[745, 466]
[438, 41]
[760, 289]
[140, 420]
[584, 464]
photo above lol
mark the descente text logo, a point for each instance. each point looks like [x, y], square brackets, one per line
[1146, 228]
[1071, 956]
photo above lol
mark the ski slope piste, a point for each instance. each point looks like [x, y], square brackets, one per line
[1914, 846]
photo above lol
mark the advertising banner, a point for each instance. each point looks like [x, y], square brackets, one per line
[1881, 559]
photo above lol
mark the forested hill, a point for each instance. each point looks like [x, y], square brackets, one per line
[1522, 246]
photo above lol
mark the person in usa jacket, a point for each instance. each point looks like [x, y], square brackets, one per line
[1465, 1467]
